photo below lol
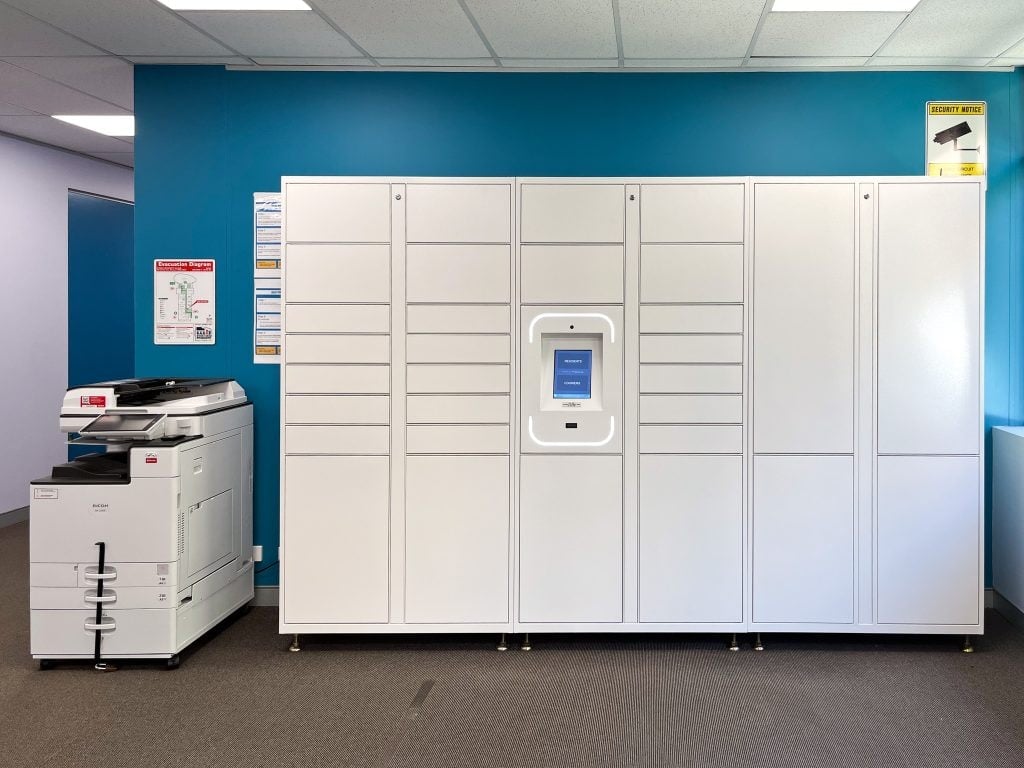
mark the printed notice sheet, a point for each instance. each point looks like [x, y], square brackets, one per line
[267, 320]
[184, 309]
[266, 238]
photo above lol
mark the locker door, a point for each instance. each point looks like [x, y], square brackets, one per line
[457, 537]
[691, 538]
[928, 531]
[570, 547]
[929, 318]
[336, 539]
[804, 292]
[803, 539]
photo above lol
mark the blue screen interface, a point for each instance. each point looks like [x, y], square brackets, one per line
[572, 373]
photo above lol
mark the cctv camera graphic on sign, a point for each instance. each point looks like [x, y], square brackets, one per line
[956, 138]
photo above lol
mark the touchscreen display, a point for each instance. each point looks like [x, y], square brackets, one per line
[122, 422]
[572, 374]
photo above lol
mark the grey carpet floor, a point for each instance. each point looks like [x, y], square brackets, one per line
[240, 699]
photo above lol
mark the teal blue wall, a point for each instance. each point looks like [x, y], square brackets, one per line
[208, 138]
[101, 292]
[101, 289]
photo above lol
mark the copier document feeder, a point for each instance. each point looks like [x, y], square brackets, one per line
[139, 548]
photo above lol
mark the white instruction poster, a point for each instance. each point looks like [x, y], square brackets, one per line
[266, 236]
[184, 308]
[267, 320]
[266, 300]
[957, 138]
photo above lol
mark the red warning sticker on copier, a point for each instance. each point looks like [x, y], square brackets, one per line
[94, 401]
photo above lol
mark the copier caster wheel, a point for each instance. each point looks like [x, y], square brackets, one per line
[45, 664]
[174, 662]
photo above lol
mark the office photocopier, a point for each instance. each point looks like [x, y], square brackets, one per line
[138, 549]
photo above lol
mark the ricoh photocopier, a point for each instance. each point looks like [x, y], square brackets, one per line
[141, 547]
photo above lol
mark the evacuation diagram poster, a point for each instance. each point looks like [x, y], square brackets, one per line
[183, 301]
[956, 137]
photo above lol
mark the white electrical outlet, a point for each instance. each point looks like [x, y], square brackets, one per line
[257, 553]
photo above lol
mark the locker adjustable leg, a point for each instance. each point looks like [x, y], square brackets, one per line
[968, 645]
[295, 647]
[503, 643]
[758, 645]
[526, 643]
[734, 644]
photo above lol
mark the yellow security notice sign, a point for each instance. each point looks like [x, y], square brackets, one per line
[956, 169]
[956, 108]
[956, 137]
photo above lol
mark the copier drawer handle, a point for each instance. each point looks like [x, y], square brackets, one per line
[92, 573]
[107, 597]
[106, 624]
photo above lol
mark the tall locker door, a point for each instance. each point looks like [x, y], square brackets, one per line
[804, 312]
[929, 318]
[336, 534]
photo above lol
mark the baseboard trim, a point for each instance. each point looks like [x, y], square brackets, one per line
[1008, 610]
[14, 517]
[266, 597]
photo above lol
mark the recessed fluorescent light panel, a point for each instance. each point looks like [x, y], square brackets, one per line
[896, 6]
[236, 5]
[108, 125]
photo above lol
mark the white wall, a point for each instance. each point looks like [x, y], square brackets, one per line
[34, 183]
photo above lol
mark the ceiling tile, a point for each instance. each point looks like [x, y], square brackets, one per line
[561, 63]
[105, 77]
[21, 35]
[957, 28]
[127, 27]
[121, 158]
[693, 29]
[431, 29]
[825, 34]
[274, 33]
[547, 30]
[1016, 52]
[29, 90]
[682, 63]
[415, 62]
[13, 109]
[312, 61]
[50, 131]
[807, 61]
[927, 61]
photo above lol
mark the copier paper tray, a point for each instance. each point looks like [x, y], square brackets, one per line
[95, 468]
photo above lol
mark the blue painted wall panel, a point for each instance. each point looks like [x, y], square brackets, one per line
[208, 138]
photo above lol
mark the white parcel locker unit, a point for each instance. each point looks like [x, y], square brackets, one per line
[650, 404]
[140, 548]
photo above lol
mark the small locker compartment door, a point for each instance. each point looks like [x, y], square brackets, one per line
[335, 539]
[803, 570]
[691, 539]
[570, 539]
[929, 526]
[457, 539]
